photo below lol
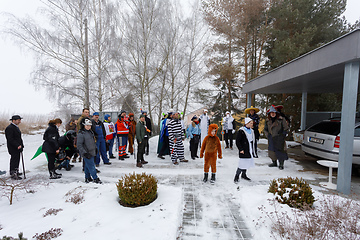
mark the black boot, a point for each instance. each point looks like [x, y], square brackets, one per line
[243, 175]
[281, 164]
[236, 178]
[212, 180]
[87, 180]
[53, 175]
[206, 175]
[273, 164]
[57, 174]
[98, 181]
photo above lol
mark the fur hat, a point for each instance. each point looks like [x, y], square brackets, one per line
[247, 111]
[211, 127]
[247, 120]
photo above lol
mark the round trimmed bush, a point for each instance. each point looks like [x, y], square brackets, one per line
[137, 189]
[294, 192]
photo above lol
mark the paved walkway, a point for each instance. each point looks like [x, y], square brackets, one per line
[199, 221]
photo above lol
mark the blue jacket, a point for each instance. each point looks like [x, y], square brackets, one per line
[191, 130]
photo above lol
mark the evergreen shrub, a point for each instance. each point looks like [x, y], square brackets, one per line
[137, 189]
[294, 192]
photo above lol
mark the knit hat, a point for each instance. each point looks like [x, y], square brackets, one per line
[87, 122]
[95, 114]
[143, 111]
[247, 120]
[227, 112]
[106, 117]
[205, 110]
[193, 118]
[131, 114]
[142, 115]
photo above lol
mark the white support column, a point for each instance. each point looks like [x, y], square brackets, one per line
[303, 111]
[348, 111]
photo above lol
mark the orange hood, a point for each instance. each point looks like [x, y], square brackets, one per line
[211, 127]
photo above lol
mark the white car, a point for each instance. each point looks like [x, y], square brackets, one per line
[322, 140]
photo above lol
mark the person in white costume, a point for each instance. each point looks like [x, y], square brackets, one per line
[204, 125]
[245, 142]
[229, 130]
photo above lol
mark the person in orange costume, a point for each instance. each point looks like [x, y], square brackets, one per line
[212, 147]
[131, 135]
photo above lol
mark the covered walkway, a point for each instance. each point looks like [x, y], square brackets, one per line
[331, 68]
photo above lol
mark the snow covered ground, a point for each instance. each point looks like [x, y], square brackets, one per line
[100, 216]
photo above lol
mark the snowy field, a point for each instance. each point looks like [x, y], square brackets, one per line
[100, 216]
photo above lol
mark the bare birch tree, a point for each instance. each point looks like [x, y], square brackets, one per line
[60, 48]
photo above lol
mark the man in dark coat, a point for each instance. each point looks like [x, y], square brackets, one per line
[148, 130]
[15, 145]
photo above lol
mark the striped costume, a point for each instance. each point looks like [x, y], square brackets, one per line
[176, 147]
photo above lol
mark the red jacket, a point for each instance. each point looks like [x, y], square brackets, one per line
[121, 127]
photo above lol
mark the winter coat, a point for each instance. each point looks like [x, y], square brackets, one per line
[132, 128]
[140, 131]
[242, 143]
[51, 138]
[67, 145]
[122, 128]
[211, 144]
[13, 139]
[193, 129]
[86, 142]
[229, 123]
[148, 125]
[276, 131]
[70, 126]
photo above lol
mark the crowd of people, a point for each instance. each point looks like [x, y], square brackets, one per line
[91, 141]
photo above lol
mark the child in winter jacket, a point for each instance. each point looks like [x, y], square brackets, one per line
[212, 147]
[245, 142]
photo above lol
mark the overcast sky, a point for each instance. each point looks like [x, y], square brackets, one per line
[17, 95]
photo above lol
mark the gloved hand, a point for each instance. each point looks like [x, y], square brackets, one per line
[233, 131]
[220, 157]
[201, 155]
[87, 155]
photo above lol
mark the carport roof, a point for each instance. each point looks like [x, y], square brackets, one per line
[319, 71]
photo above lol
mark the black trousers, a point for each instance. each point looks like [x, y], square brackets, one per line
[141, 151]
[51, 161]
[14, 162]
[228, 136]
[146, 140]
[194, 144]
